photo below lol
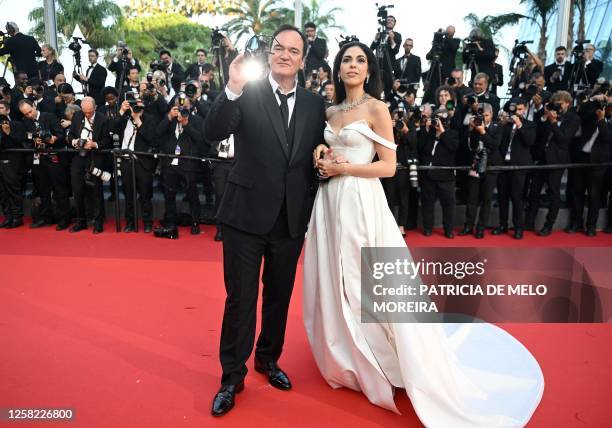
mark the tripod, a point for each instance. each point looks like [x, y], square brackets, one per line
[472, 65]
[578, 75]
[434, 72]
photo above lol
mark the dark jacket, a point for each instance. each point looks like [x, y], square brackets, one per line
[23, 50]
[145, 140]
[190, 141]
[522, 142]
[100, 135]
[483, 60]
[48, 71]
[411, 71]
[95, 83]
[553, 145]
[15, 140]
[447, 57]
[491, 140]
[444, 154]
[117, 67]
[559, 84]
[316, 55]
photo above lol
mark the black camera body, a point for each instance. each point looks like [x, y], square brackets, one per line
[554, 107]
[4, 119]
[479, 116]
[216, 38]
[183, 110]
[578, 50]
[437, 44]
[346, 39]
[75, 46]
[191, 90]
[520, 48]
[159, 65]
[470, 47]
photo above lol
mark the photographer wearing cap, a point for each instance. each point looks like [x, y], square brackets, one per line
[483, 141]
[558, 126]
[12, 168]
[49, 174]
[23, 50]
[136, 130]
[180, 133]
[89, 131]
[519, 135]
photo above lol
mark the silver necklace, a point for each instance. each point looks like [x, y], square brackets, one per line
[344, 106]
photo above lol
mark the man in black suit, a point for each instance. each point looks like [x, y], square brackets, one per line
[448, 53]
[12, 165]
[316, 51]
[497, 79]
[49, 168]
[518, 138]
[94, 78]
[120, 65]
[437, 144]
[266, 205]
[89, 131]
[23, 50]
[195, 70]
[592, 68]
[483, 135]
[479, 55]
[386, 58]
[558, 73]
[174, 72]
[136, 131]
[559, 126]
[408, 66]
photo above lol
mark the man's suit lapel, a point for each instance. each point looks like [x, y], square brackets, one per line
[270, 105]
[300, 112]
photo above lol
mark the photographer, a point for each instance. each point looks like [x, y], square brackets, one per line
[445, 98]
[497, 79]
[22, 49]
[12, 168]
[483, 142]
[401, 189]
[524, 70]
[152, 93]
[479, 54]
[455, 81]
[132, 83]
[444, 49]
[94, 78]
[49, 168]
[592, 67]
[110, 106]
[557, 74]
[479, 95]
[408, 67]
[89, 132]
[224, 48]
[174, 72]
[195, 70]
[329, 94]
[120, 64]
[593, 146]
[437, 146]
[49, 67]
[316, 50]
[536, 95]
[558, 128]
[136, 131]
[17, 94]
[386, 53]
[518, 137]
[180, 133]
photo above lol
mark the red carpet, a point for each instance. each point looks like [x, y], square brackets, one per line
[124, 329]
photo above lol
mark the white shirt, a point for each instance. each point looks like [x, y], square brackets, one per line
[129, 136]
[87, 131]
[290, 101]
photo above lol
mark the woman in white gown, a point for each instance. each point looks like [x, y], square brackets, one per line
[456, 375]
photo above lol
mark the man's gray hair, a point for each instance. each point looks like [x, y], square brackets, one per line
[71, 108]
[487, 108]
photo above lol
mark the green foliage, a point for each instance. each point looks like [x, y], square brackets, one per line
[187, 8]
[149, 34]
[312, 12]
[253, 17]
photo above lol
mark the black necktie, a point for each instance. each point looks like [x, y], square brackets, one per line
[284, 107]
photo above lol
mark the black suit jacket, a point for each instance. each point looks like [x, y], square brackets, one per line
[601, 149]
[15, 140]
[392, 51]
[491, 140]
[483, 60]
[265, 175]
[447, 59]
[193, 71]
[557, 148]
[117, 66]
[191, 141]
[522, 142]
[178, 75]
[48, 71]
[592, 71]
[316, 55]
[411, 71]
[443, 156]
[557, 85]
[23, 50]
[100, 134]
[146, 137]
[96, 82]
[497, 79]
[47, 122]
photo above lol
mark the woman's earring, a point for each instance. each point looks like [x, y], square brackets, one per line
[339, 78]
[368, 79]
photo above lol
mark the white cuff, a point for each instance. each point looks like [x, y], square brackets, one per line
[230, 95]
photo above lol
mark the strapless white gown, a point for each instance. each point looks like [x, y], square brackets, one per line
[456, 375]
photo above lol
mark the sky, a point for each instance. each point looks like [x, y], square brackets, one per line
[417, 20]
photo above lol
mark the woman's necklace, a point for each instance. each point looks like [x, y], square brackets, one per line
[344, 106]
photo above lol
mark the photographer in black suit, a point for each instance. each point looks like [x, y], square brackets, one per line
[390, 49]
[266, 205]
[446, 52]
[94, 78]
[497, 78]
[408, 67]
[49, 168]
[174, 72]
[437, 144]
[558, 128]
[317, 49]
[12, 168]
[484, 138]
[558, 73]
[23, 50]
[479, 54]
[518, 137]
[89, 131]
[195, 70]
[136, 131]
[120, 64]
[49, 67]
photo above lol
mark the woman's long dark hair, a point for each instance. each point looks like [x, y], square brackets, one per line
[374, 86]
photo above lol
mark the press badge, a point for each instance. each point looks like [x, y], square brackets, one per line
[36, 159]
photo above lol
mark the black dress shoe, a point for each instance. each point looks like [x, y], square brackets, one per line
[545, 231]
[591, 232]
[466, 231]
[479, 233]
[98, 228]
[148, 228]
[62, 225]
[225, 398]
[37, 224]
[573, 228]
[17, 222]
[166, 232]
[78, 227]
[518, 233]
[219, 235]
[129, 228]
[427, 232]
[195, 229]
[449, 234]
[6, 222]
[499, 230]
[276, 376]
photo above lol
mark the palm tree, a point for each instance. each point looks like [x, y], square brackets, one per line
[540, 12]
[312, 12]
[581, 5]
[491, 25]
[188, 8]
[90, 15]
[253, 16]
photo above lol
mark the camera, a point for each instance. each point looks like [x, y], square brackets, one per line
[528, 90]
[437, 44]
[440, 116]
[470, 47]
[44, 136]
[520, 48]
[81, 147]
[216, 38]
[346, 39]
[132, 99]
[150, 85]
[75, 46]
[382, 14]
[417, 112]
[553, 107]
[578, 50]
[121, 45]
[413, 175]
[183, 110]
[93, 173]
[479, 116]
[191, 90]
[159, 65]
[399, 122]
